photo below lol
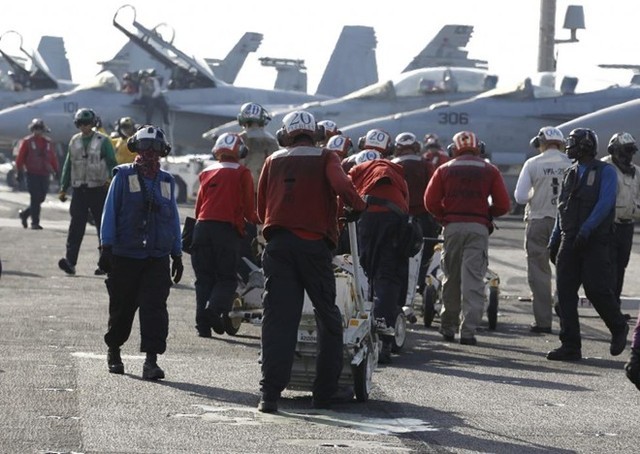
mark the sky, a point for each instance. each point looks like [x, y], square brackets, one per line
[506, 32]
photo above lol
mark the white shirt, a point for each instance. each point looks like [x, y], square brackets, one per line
[540, 182]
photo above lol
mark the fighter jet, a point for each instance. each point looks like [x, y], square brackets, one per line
[504, 119]
[29, 77]
[353, 65]
[131, 57]
[410, 90]
[198, 100]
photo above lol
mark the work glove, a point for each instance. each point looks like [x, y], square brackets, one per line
[632, 368]
[553, 251]
[20, 177]
[176, 268]
[580, 243]
[105, 262]
[62, 196]
[351, 215]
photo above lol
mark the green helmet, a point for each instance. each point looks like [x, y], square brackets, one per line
[84, 116]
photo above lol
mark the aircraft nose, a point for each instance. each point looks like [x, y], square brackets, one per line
[213, 134]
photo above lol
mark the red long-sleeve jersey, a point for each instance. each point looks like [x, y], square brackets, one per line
[459, 191]
[297, 191]
[37, 155]
[383, 179]
[226, 194]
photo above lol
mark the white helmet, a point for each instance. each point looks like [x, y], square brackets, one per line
[251, 112]
[340, 144]
[299, 122]
[231, 145]
[367, 155]
[149, 137]
[376, 139]
[547, 134]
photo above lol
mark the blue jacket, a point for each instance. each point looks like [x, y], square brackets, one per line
[141, 221]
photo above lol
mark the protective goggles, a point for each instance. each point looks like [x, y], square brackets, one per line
[79, 123]
[570, 143]
[151, 144]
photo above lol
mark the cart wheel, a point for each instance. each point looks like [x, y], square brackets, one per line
[231, 325]
[429, 305]
[492, 309]
[400, 335]
[362, 374]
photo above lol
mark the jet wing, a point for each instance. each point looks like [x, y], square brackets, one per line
[227, 111]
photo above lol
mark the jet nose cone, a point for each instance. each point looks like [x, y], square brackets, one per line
[216, 132]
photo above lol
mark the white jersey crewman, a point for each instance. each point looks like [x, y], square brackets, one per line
[538, 187]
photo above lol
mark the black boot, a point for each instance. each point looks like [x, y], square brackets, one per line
[114, 361]
[150, 369]
[384, 357]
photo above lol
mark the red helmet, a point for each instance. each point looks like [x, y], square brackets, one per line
[465, 141]
[432, 141]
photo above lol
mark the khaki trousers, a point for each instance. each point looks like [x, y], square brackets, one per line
[536, 238]
[464, 262]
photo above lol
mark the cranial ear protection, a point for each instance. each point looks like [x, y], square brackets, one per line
[535, 142]
[230, 145]
[320, 134]
[375, 140]
[243, 151]
[283, 138]
[149, 137]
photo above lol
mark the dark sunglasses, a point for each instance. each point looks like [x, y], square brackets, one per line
[83, 123]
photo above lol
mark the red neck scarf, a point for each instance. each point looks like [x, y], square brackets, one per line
[148, 163]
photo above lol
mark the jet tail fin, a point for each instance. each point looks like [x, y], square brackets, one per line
[228, 69]
[447, 48]
[352, 64]
[38, 76]
[54, 54]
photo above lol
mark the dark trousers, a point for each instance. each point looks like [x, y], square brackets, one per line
[291, 266]
[590, 268]
[214, 259]
[38, 186]
[83, 201]
[151, 104]
[144, 284]
[620, 254]
[386, 270]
